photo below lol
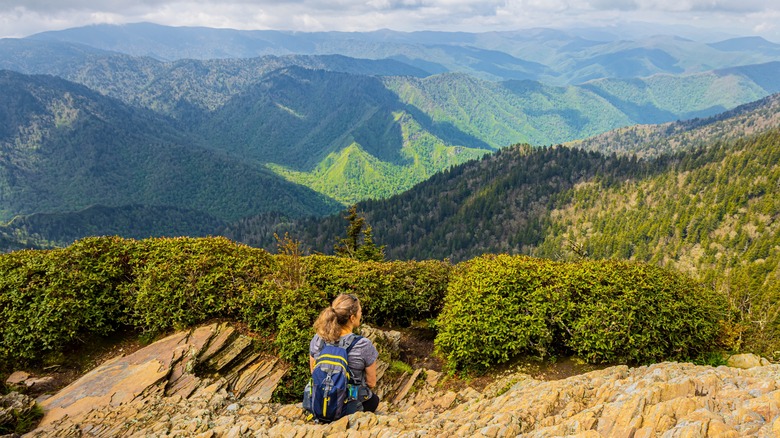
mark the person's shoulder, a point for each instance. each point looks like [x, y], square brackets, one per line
[316, 342]
[364, 342]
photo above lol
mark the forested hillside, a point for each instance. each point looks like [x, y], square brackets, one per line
[497, 204]
[295, 117]
[131, 221]
[713, 214]
[64, 148]
[486, 205]
[648, 141]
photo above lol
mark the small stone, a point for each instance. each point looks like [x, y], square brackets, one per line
[445, 401]
[744, 361]
[339, 425]
[490, 431]
[717, 428]
[234, 432]
[17, 378]
[432, 377]
[469, 393]
[41, 383]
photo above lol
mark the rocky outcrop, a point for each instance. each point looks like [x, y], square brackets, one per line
[205, 384]
[16, 408]
[210, 362]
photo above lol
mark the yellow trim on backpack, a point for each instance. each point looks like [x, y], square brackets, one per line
[330, 362]
[331, 356]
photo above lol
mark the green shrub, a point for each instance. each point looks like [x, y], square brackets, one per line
[495, 309]
[184, 281]
[605, 311]
[51, 298]
[637, 313]
[295, 329]
[489, 309]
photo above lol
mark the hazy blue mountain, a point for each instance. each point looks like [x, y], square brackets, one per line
[748, 44]
[64, 148]
[186, 88]
[549, 55]
[173, 88]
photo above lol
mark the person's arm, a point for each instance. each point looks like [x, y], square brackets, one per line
[311, 363]
[370, 374]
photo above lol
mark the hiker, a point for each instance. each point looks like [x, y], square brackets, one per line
[335, 327]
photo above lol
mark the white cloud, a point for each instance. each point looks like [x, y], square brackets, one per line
[24, 17]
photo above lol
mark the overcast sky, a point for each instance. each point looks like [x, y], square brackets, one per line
[20, 18]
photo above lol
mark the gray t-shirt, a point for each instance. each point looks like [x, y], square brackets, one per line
[360, 356]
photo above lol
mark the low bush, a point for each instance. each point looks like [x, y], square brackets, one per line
[296, 317]
[488, 310]
[629, 312]
[604, 311]
[184, 281]
[495, 309]
[51, 298]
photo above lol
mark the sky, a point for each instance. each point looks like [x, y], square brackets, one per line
[19, 18]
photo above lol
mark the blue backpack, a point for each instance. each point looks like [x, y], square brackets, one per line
[330, 386]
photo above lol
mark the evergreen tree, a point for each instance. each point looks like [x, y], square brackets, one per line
[359, 242]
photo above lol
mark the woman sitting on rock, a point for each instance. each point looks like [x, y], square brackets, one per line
[335, 325]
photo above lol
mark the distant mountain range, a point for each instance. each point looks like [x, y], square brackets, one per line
[555, 57]
[93, 139]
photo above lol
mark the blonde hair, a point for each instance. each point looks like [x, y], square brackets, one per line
[331, 320]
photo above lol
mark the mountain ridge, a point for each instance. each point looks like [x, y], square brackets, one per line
[75, 148]
[540, 54]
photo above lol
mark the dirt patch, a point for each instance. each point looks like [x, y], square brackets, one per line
[554, 369]
[417, 349]
[67, 367]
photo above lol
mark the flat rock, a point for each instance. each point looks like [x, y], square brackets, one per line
[117, 381]
[746, 361]
[17, 377]
[13, 406]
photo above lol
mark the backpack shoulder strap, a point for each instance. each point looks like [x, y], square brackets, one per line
[355, 340]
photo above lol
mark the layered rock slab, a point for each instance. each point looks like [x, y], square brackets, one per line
[662, 400]
[225, 360]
